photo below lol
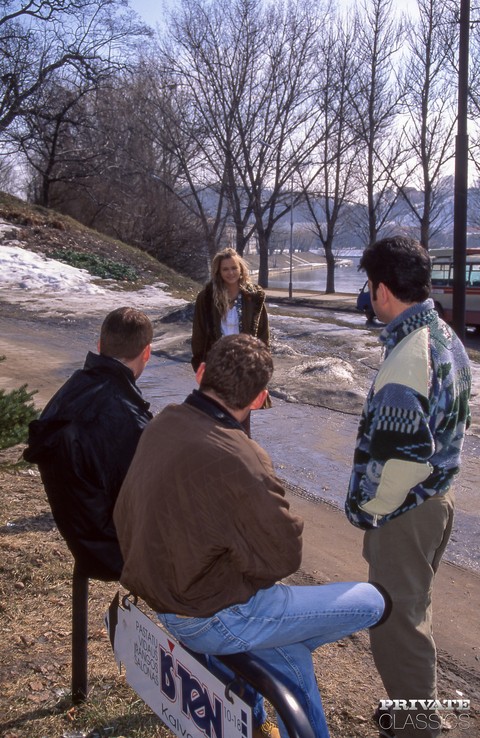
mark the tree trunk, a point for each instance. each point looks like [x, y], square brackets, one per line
[263, 262]
[330, 259]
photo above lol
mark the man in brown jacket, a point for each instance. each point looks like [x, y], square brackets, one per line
[206, 533]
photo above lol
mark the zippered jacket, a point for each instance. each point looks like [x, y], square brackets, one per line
[83, 443]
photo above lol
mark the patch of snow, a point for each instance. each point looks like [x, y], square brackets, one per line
[330, 367]
[54, 288]
[26, 270]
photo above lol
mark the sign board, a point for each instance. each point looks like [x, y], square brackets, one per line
[186, 696]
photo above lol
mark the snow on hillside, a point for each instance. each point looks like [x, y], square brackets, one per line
[52, 287]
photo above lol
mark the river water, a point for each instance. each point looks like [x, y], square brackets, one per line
[347, 278]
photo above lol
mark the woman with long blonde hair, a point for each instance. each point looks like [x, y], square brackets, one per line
[229, 303]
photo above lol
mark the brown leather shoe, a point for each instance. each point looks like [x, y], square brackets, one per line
[266, 730]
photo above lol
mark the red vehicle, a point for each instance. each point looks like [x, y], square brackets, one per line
[442, 284]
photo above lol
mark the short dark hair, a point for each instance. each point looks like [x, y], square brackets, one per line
[402, 264]
[237, 368]
[124, 334]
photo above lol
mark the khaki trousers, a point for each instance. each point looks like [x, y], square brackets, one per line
[403, 557]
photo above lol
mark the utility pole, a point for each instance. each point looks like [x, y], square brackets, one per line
[290, 283]
[461, 176]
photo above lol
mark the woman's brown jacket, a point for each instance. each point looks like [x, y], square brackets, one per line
[207, 320]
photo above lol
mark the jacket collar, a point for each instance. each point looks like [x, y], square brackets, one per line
[96, 364]
[213, 409]
[98, 361]
[249, 290]
[416, 316]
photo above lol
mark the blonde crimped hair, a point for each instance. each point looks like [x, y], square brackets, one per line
[220, 294]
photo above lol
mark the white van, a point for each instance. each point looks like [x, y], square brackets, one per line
[442, 284]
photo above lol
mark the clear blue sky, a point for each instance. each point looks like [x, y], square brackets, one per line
[151, 11]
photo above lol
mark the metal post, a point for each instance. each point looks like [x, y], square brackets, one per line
[79, 636]
[290, 284]
[461, 177]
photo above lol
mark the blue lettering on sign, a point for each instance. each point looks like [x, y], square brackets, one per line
[196, 702]
[167, 677]
[195, 699]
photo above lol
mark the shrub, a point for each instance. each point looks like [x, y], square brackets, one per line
[16, 412]
[96, 265]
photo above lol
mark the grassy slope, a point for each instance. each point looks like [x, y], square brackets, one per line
[48, 232]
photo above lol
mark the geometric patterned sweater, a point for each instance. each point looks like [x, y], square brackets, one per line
[414, 419]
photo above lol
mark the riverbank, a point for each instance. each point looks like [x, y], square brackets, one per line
[344, 301]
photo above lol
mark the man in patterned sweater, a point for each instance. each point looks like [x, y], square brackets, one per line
[407, 452]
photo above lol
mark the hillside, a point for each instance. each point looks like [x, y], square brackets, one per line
[58, 236]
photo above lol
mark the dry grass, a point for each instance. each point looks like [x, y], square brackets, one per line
[35, 631]
[35, 640]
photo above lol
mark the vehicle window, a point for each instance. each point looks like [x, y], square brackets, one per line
[441, 274]
[474, 280]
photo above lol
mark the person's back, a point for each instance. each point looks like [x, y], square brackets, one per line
[206, 534]
[213, 485]
[85, 438]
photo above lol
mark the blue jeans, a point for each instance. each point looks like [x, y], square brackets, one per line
[283, 625]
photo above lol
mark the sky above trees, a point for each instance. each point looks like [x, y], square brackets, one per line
[153, 11]
[217, 127]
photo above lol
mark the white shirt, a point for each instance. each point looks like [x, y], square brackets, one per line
[229, 324]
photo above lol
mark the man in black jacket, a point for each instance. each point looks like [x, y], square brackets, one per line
[86, 436]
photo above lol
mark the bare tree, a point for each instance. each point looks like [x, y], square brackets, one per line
[247, 70]
[332, 184]
[44, 137]
[38, 38]
[376, 97]
[430, 107]
[182, 138]
[278, 140]
[107, 169]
